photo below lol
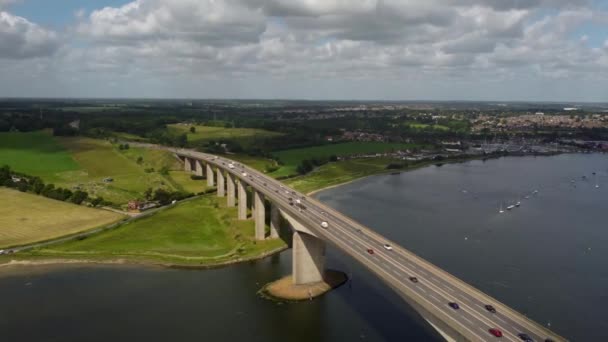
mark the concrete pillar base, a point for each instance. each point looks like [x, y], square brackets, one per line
[308, 259]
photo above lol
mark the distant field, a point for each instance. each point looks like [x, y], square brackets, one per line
[418, 125]
[27, 218]
[291, 158]
[193, 232]
[245, 136]
[36, 153]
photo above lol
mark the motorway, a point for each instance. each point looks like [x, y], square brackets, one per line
[433, 291]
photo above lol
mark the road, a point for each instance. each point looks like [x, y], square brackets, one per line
[435, 288]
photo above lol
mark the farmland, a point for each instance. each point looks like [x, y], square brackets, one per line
[244, 136]
[201, 231]
[27, 218]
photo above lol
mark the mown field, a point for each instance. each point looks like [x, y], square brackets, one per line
[244, 136]
[84, 163]
[291, 158]
[200, 231]
[27, 218]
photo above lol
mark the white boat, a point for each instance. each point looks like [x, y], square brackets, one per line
[501, 209]
[511, 207]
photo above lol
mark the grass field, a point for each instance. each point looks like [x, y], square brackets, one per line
[27, 218]
[418, 125]
[195, 232]
[244, 136]
[36, 153]
[84, 163]
[291, 158]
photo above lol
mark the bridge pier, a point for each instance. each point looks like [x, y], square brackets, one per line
[221, 187]
[210, 181]
[231, 202]
[259, 214]
[198, 168]
[308, 262]
[242, 192]
[275, 221]
[187, 164]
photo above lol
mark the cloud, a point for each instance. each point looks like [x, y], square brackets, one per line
[21, 38]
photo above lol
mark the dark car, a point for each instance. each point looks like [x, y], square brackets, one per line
[413, 279]
[525, 337]
[490, 308]
[495, 332]
[549, 340]
[454, 306]
[370, 251]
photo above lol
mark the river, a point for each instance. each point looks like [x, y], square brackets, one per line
[547, 259]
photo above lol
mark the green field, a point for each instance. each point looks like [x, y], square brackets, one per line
[199, 231]
[84, 163]
[244, 136]
[27, 218]
[36, 153]
[418, 125]
[291, 158]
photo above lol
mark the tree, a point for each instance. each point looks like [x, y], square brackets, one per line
[79, 196]
[192, 129]
[162, 196]
[97, 201]
[148, 193]
[140, 160]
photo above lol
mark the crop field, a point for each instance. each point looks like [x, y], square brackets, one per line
[199, 231]
[27, 218]
[244, 136]
[36, 153]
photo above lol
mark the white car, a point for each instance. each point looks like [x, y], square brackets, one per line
[1, 251]
[324, 224]
[231, 166]
[244, 174]
[388, 247]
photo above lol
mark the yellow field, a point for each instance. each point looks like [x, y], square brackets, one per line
[27, 218]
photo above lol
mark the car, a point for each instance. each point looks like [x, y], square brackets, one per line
[286, 192]
[490, 308]
[525, 337]
[231, 166]
[495, 332]
[324, 224]
[2, 251]
[323, 213]
[413, 279]
[387, 247]
[454, 305]
[244, 174]
[264, 184]
[370, 251]
[276, 190]
[359, 230]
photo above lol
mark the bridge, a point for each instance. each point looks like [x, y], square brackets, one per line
[425, 287]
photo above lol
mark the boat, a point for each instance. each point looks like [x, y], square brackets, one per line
[501, 209]
[511, 207]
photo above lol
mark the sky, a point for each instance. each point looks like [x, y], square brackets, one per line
[496, 50]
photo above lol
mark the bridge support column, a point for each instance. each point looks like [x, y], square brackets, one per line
[210, 181]
[221, 186]
[242, 192]
[231, 202]
[198, 168]
[187, 164]
[259, 213]
[308, 259]
[275, 221]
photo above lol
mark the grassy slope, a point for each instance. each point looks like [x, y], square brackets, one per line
[291, 158]
[36, 153]
[27, 218]
[194, 232]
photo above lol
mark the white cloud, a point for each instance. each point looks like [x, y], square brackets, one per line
[20, 38]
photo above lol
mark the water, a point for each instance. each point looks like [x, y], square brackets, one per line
[547, 259]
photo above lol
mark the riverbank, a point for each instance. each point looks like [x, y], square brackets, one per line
[199, 233]
[284, 289]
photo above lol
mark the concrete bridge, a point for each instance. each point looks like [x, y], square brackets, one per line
[314, 225]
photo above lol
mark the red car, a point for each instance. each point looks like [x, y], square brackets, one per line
[495, 332]
[370, 251]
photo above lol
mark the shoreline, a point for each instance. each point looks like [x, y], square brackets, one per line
[42, 261]
[430, 163]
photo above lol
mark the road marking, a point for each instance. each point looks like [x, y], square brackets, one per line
[466, 319]
[435, 298]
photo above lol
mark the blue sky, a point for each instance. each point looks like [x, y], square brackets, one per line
[312, 49]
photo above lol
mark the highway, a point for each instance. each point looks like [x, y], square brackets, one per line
[435, 288]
